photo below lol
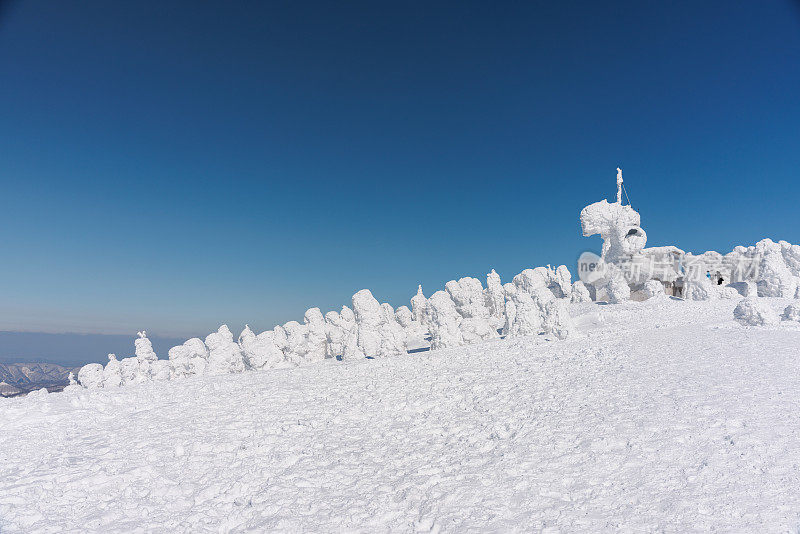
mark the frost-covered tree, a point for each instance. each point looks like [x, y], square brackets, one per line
[413, 330]
[316, 336]
[129, 368]
[112, 374]
[224, 354]
[91, 376]
[579, 293]
[752, 311]
[791, 255]
[375, 335]
[404, 317]
[555, 317]
[654, 289]
[418, 303]
[561, 284]
[510, 308]
[532, 279]
[341, 327]
[775, 278]
[476, 329]
[699, 288]
[535, 312]
[296, 348]
[495, 296]
[369, 318]
[467, 295]
[392, 329]
[442, 321]
[160, 370]
[181, 363]
[144, 348]
[334, 333]
[259, 351]
[145, 355]
[617, 289]
[281, 340]
[188, 359]
[527, 317]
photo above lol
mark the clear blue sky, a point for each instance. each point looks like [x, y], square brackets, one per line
[176, 165]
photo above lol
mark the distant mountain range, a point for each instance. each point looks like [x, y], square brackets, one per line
[20, 378]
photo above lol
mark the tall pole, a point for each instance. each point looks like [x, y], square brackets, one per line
[619, 185]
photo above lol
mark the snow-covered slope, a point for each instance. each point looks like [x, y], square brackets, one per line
[660, 415]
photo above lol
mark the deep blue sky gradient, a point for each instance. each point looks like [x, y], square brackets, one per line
[176, 165]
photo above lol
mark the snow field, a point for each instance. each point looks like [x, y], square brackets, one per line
[659, 415]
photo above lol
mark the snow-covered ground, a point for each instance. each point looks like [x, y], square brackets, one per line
[657, 416]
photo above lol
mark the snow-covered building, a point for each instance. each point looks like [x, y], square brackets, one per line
[773, 267]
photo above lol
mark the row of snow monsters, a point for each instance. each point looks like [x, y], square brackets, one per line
[464, 313]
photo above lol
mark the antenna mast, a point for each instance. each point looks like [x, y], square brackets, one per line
[619, 186]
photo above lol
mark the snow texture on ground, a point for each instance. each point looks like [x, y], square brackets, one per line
[657, 416]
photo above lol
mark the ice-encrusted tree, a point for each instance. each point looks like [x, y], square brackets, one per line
[374, 336]
[523, 317]
[90, 376]
[561, 282]
[414, 330]
[296, 347]
[418, 303]
[129, 368]
[617, 288]
[341, 327]
[442, 321]
[316, 337]
[224, 354]
[580, 293]
[334, 333]
[281, 341]
[653, 289]
[160, 370]
[775, 278]
[752, 311]
[467, 295]
[791, 255]
[699, 288]
[259, 351]
[145, 355]
[536, 311]
[495, 296]
[469, 298]
[554, 315]
[188, 359]
[531, 279]
[476, 329]
[144, 348]
[393, 329]
[112, 374]
[403, 316]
